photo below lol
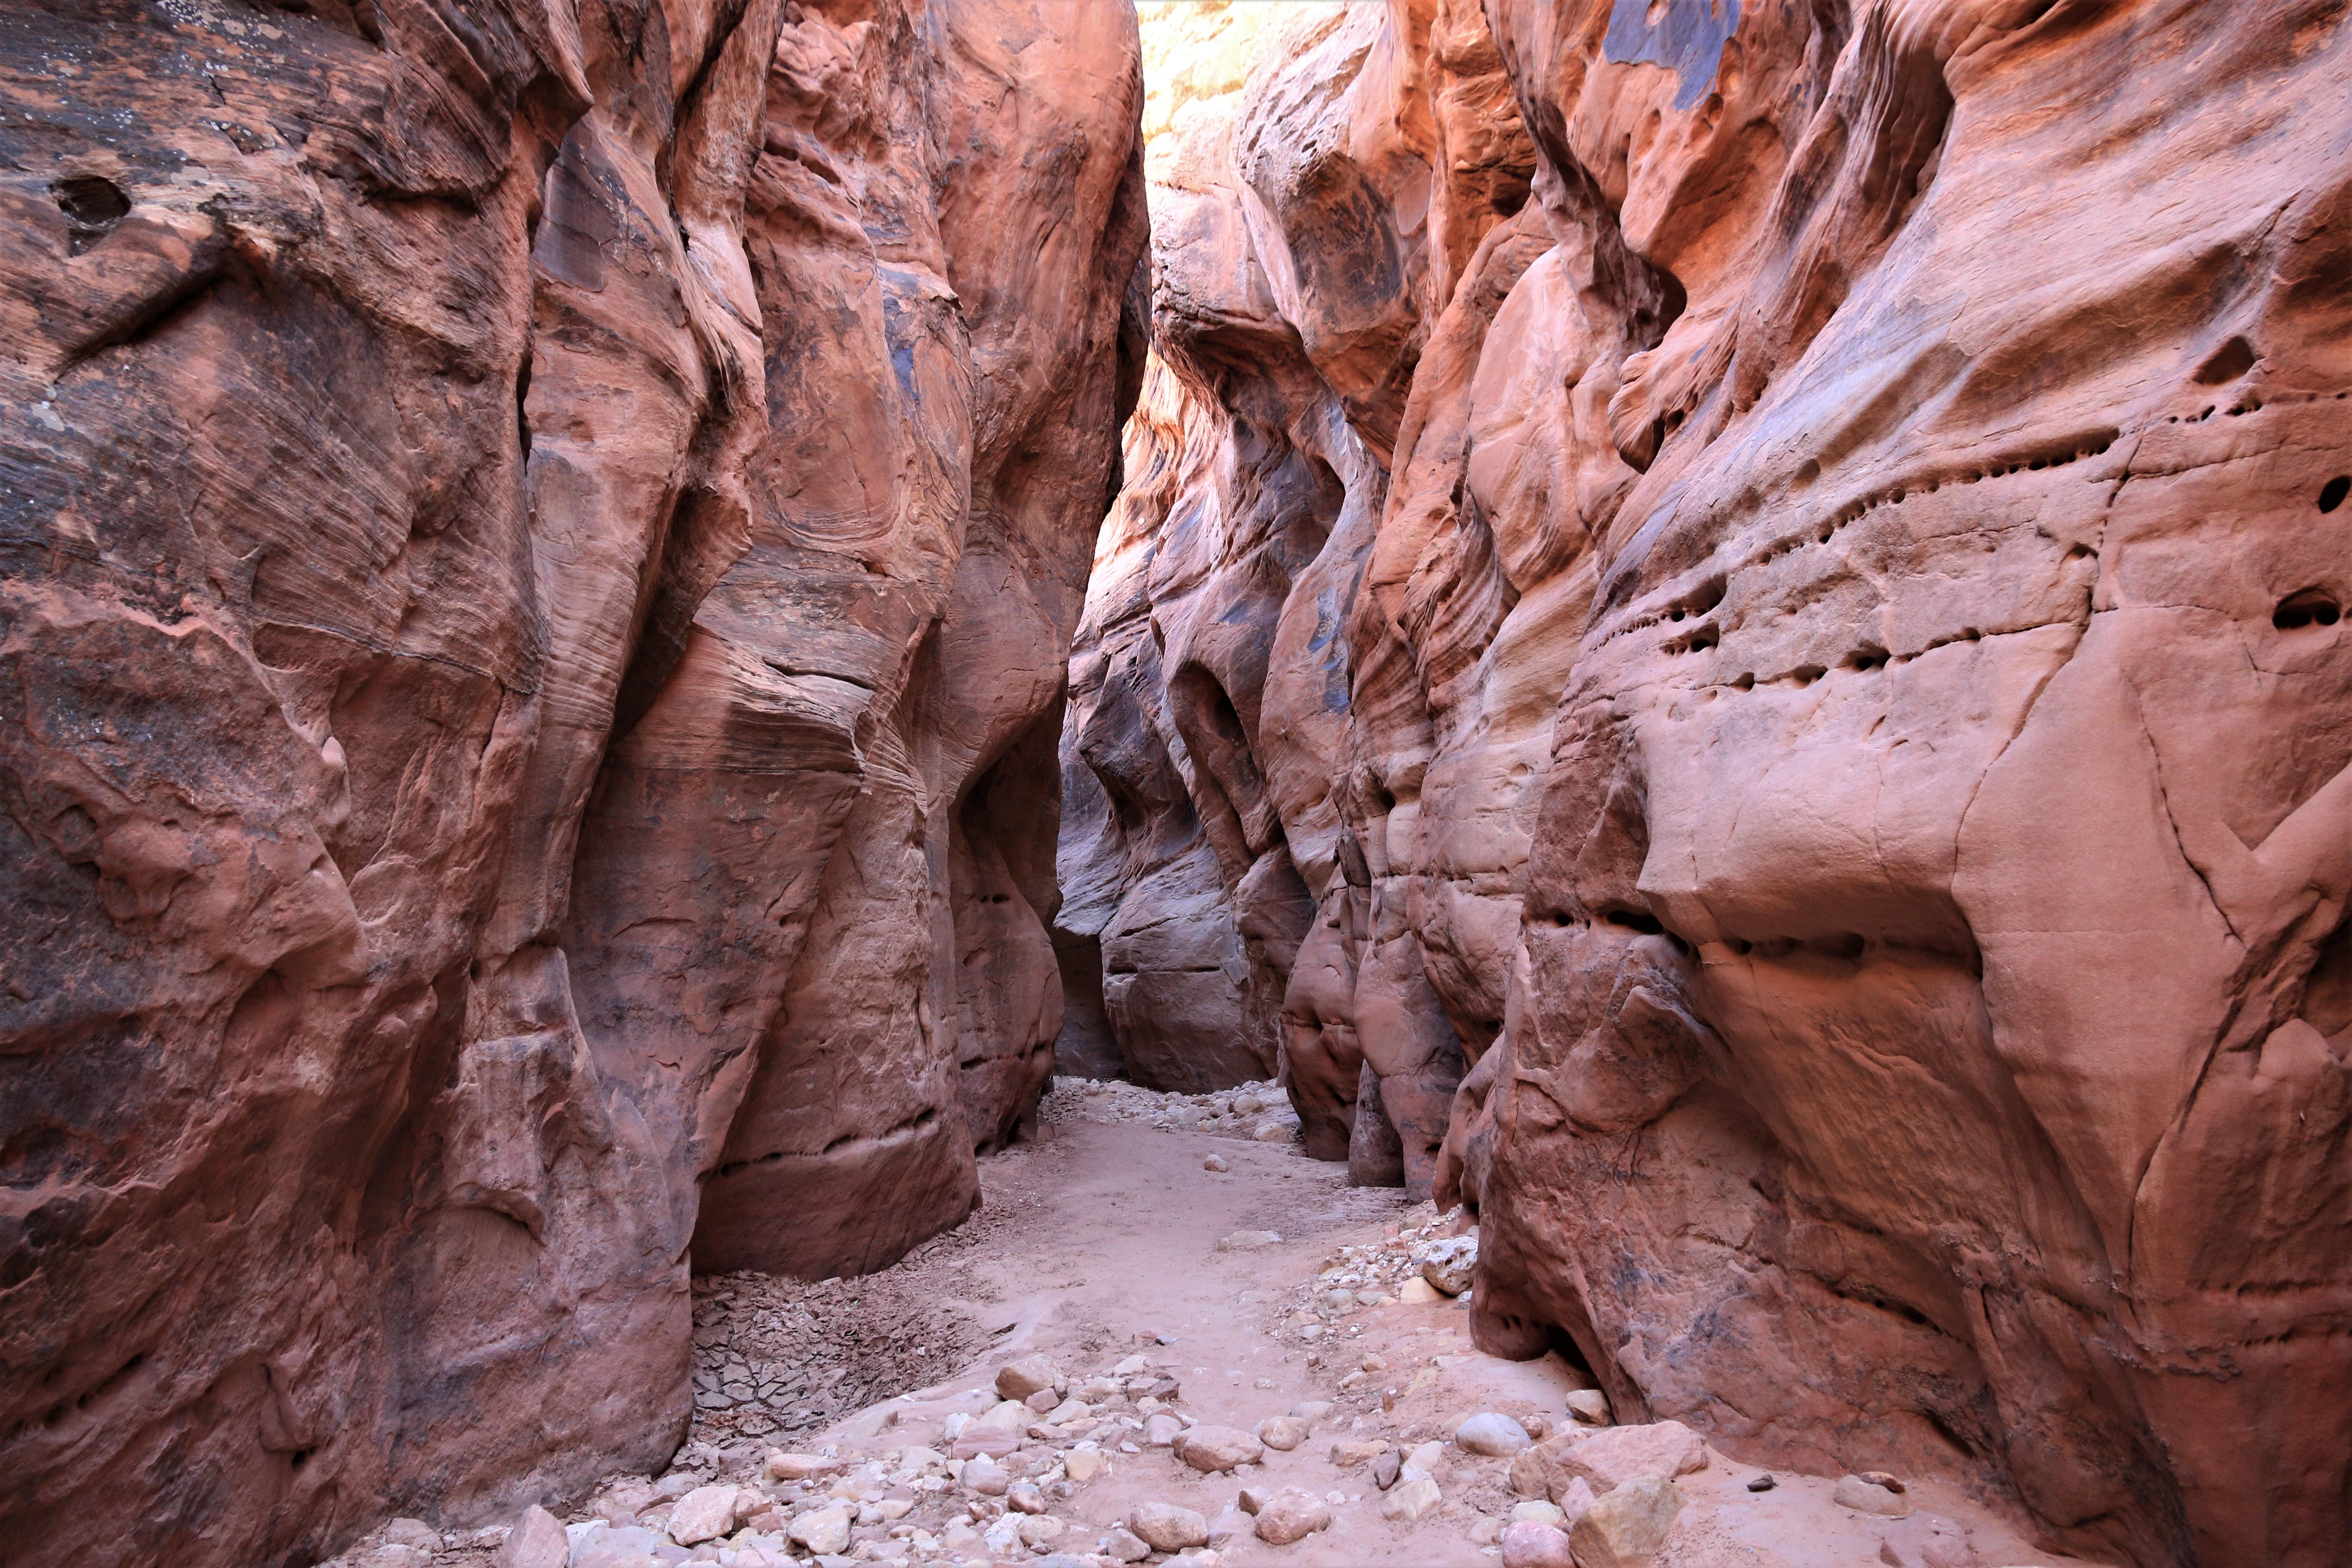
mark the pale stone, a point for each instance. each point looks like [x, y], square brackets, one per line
[1215, 1162]
[1925, 1541]
[1854, 1492]
[1025, 1497]
[1348, 1455]
[1212, 1448]
[1573, 1502]
[1039, 1530]
[1249, 1240]
[1626, 1528]
[1162, 1431]
[1011, 1416]
[1282, 1432]
[537, 1541]
[985, 1476]
[1540, 1511]
[1418, 1290]
[1253, 1498]
[1165, 1527]
[1018, 1380]
[1067, 1410]
[413, 1532]
[1494, 1435]
[702, 1514]
[1043, 1400]
[1410, 1499]
[1292, 1515]
[1610, 1457]
[1084, 1465]
[1126, 1546]
[1532, 1544]
[1229, 1526]
[826, 1530]
[1589, 1406]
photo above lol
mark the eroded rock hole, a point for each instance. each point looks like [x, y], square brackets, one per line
[2332, 493]
[2311, 607]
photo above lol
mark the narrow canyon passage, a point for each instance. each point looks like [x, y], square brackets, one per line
[1056, 781]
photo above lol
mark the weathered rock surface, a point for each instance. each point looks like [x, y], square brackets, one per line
[1803, 694]
[535, 551]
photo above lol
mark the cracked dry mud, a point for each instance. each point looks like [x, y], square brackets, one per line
[1110, 1248]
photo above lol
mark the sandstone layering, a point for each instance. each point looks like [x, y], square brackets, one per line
[1719, 635]
[1726, 631]
[538, 539]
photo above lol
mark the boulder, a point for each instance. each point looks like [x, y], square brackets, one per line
[1212, 1448]
[1166, 1527]
[1625, 1527]
[1291, 1515]
[1532, 1544]
[1492, 1434]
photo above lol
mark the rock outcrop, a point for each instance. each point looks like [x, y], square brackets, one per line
[537, 546]
[1773, 575]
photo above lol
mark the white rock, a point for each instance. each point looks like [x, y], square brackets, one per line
[986, 1477]
[1040, 1530]
[1292, 1515]
[1126, 1546]
[1409, 1499]
[1627, 1528]
[1494, 1435]
[1283, 1432]
[1249, 1240]
[1009, 1415]
[1531, 1544]
[1540, 1511]
[1215, 1162]
[826, 1530]
[1083, 1465]
[537, 1541]
[702, 1514]
[1589, 1406]
[1418, 1291]
[1067, 1410]
[1861, 1496]
[1165, 1527]
[1160, 1431]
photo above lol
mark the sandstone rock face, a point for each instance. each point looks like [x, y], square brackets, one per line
[538, 541]
[1803, 693]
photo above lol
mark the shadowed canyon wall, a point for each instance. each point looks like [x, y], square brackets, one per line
[1724, 638]
[538, 543]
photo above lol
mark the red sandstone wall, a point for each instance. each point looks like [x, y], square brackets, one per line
[536, 548]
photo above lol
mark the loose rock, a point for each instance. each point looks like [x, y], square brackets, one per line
[1626, 1528]
[1531, 1544]
[1126, 1546]
[537, 1541]
[1494, 1435]
[1020, 1379]
[1292, 1515]
[827, 1529]
[1864, 1496]
[1283, 1433]
[1165, 1527]
[1249, 1240]
[702, 1514]
[1212, 1448]
[1589, 1406]
[1411, 1499]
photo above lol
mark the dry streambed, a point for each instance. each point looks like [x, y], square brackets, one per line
[1181, 1342]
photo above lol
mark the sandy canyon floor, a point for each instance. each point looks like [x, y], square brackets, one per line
[1112, 1246]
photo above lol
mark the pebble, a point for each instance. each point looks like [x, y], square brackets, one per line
[1024, 1497]
[1162, 1431]
[1283, 1433]
[1626, 1528]
[1252, 1498]
[1410, 1499]
[1249, 1240]
[537, 1541]
[1215, 1162]
[986, 1478]
[826, 1530]
[1040, 1530]
[1494, 1435]
[1763, 1483]
[1084, 1464]
[1386, 1468]
[1863, 1497]
[1530, 1544]
[1312, 1410]
[702, 1514]
[1348, 1455]
[785, 1466]
[1212, 1448]
[1126, 1546]
[1165, 1527]
[1292, 1515]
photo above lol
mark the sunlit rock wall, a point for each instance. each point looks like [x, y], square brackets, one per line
[1775, 572]
[536, 548]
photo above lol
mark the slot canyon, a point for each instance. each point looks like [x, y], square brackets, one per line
[905, 781]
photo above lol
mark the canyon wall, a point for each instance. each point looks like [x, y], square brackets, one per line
[1724, 638]
[537, 548]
